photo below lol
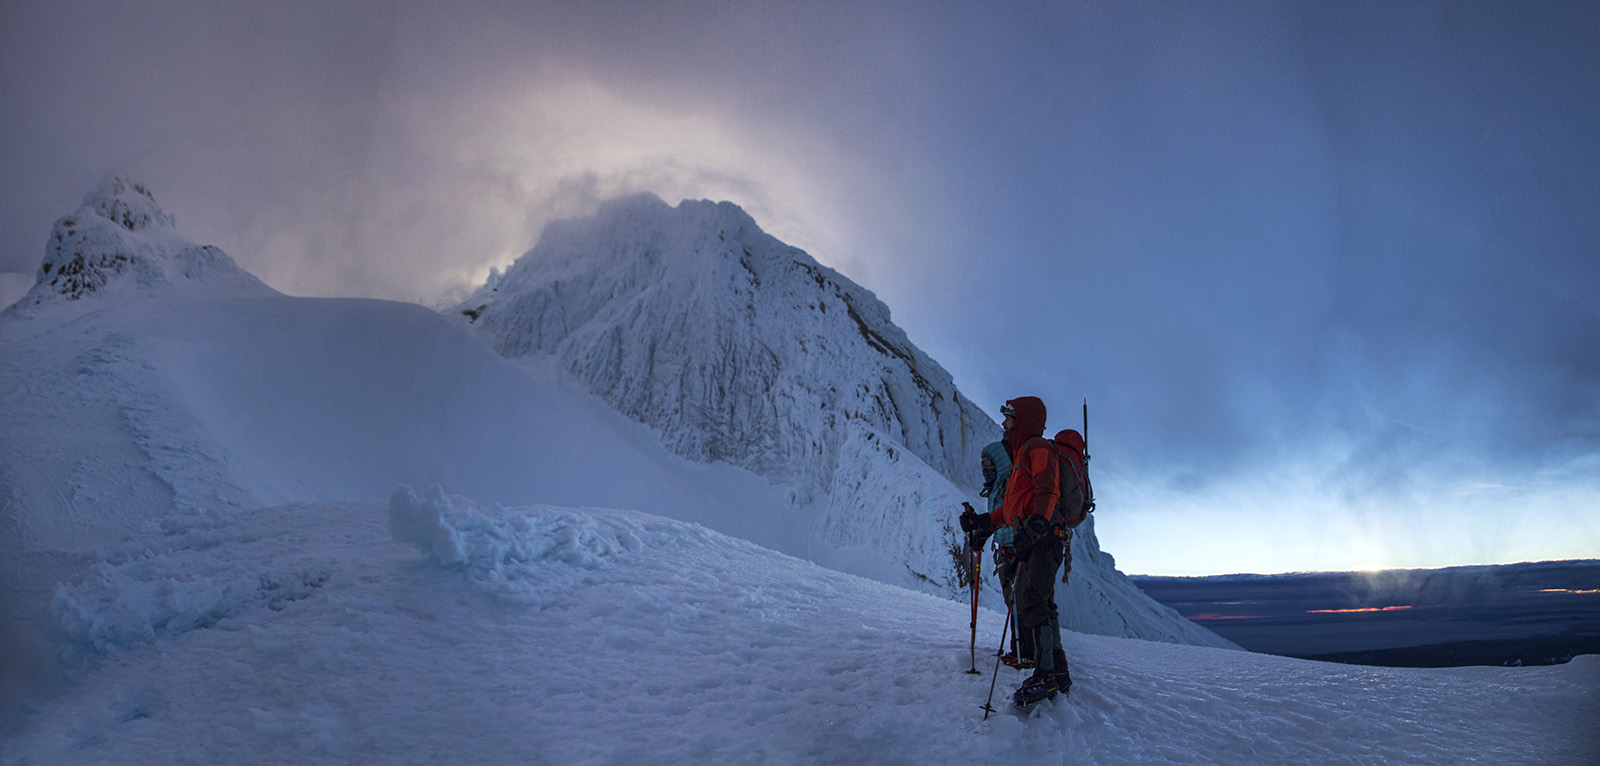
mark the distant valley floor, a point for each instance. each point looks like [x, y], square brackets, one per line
[1539, 613]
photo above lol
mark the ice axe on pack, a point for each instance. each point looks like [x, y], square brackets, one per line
[1066, 566]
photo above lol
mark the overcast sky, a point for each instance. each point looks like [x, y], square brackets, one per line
[1327, 273]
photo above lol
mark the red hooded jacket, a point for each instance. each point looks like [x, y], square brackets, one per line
[1035, 481]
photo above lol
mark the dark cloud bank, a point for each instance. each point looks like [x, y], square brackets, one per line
[1354, 240]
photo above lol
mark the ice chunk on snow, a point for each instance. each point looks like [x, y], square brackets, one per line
[421, 523]
[518, 553]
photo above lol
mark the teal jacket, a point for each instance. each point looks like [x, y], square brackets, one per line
[995, 455]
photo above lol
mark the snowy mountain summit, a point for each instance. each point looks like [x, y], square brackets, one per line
[733, 345]
[120, 240]
[737, 348]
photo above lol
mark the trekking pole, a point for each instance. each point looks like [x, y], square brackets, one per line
[988, 704]
[1016, 648]
[977, 564]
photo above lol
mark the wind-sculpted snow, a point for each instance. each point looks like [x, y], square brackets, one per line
[516, 554]
[878, 499]
[658, 641]
[730, 344]
[169, 581]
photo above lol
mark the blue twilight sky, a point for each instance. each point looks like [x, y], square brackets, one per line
[1328, 273]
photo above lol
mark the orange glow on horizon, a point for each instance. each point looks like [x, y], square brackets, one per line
[1363, 609]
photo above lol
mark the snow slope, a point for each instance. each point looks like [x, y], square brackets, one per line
[733, 345]
[146, 397]
[305, 634]
[737, 348]
[197, 565]
[160, 379]
[148, 383]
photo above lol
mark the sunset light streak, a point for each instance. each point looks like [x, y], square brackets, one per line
[1363, 609]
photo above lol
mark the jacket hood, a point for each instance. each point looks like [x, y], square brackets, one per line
[996, 452]
[1028, 421]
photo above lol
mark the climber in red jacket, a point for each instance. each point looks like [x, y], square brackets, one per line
[1029, 509]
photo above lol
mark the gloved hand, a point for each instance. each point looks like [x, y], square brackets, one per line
[1038, 527]
[1035, 531]
[972, 521]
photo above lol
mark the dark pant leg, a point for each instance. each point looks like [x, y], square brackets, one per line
[1036, 601]
[1021, 641]
[1005, 567]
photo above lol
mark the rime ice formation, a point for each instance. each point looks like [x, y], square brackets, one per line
[731, 344]
[120, 240]
[737, 348]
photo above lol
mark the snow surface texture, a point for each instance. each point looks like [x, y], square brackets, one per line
[304, 634]
[184, 577]
[735, 347]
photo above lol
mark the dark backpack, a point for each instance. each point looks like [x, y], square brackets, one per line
[1077, 493]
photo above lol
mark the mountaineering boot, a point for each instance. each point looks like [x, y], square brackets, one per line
[1021, 663]
[1039, 686]
[1062, 678]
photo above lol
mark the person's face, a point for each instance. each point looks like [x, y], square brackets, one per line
[1008, 422]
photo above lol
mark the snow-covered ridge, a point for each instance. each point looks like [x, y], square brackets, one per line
[734, 346]
[120, 241]
[737, 348]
